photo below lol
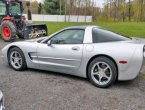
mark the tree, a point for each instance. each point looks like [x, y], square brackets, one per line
[33, 7]
[116, 9]
[78, 10]
[110, 8]
[53, 6]
[39, 8]
[129, 10]
[141, 9]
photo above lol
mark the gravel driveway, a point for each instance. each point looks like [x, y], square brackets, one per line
[40, 90]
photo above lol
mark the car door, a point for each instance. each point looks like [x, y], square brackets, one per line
[64, 53]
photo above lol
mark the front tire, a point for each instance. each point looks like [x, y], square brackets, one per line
[102, 72]
[16, 59]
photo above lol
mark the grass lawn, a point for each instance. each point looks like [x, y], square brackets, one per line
[142, 75]
[131, 29]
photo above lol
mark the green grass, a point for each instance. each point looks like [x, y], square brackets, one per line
[142, 75]
[131, 29]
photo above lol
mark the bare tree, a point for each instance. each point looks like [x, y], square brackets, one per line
[110, 8]
[86, 4]
[93, 9]
[65, 4]
[141, 10]
[107, 9]
[78, 10]
[116, 7]
[129, 10]
[123, 10]
[60, 3]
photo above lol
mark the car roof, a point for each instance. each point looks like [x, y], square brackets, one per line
[80, 27]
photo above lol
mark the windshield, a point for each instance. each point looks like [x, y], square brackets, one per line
[2, 8]
[15, 8]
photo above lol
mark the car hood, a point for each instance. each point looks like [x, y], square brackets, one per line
[36, 39]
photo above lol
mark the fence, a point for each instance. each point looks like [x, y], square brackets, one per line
[60, 18]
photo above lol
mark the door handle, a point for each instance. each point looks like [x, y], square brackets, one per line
[75, 48]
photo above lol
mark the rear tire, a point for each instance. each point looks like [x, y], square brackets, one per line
[102, 72]
[16, 59]
[8, 31]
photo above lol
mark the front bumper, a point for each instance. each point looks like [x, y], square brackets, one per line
[2, 102]
[2, 108]
[3, 57]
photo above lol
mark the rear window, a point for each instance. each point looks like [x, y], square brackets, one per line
[101, 35]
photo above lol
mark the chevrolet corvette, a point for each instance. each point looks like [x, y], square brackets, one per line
[91, 52]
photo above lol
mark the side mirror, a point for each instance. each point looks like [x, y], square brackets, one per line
[49, 43]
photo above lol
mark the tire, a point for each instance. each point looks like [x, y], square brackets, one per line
[8, 31]
[102, 72]
[15, 56]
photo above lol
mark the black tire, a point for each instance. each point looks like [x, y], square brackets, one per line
[12, 29]
[111, 66]
[24, 65]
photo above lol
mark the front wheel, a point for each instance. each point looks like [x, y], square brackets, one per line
[102, 72]
[16, 59]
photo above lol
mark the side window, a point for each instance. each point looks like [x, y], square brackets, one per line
[69, 37]
[102, 35]
[2, 8]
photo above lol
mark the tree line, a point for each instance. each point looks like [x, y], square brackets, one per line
[112, 10]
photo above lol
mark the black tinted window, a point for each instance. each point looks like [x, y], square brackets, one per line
[102, 35]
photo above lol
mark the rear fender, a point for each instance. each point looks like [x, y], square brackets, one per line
[7, 18]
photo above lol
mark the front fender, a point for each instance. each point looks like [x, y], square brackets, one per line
[26, 48]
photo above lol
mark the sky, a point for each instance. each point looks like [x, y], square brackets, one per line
[99, 3]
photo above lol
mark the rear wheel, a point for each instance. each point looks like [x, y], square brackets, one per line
[102, 72]
[16, 59]
[8, 31]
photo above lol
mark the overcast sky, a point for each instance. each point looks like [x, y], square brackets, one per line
[99, 3]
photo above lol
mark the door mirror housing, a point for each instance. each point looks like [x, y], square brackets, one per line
[49, 43]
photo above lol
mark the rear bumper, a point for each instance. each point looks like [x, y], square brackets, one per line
[134, 67]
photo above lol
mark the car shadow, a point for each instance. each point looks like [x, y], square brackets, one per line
[58, 74]
[117, 84]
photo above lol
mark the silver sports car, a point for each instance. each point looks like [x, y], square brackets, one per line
[86, 51]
